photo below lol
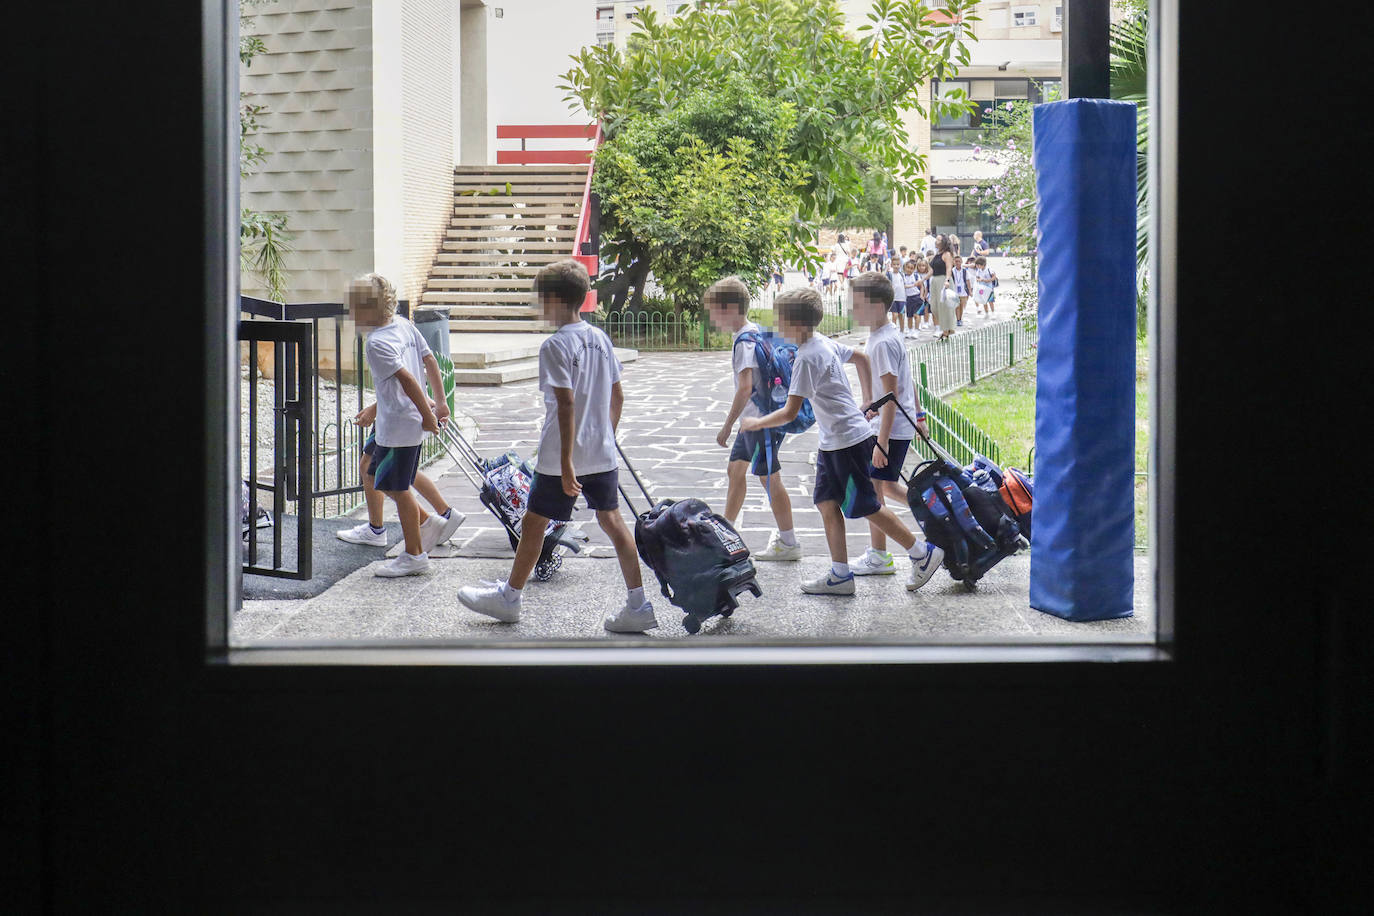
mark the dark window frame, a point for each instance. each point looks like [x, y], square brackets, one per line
[220, 430]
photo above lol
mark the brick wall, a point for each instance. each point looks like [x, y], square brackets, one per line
[316, 80]
[428, 129]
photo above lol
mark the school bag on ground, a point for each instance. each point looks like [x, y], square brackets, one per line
[775, 358]
[700, 560]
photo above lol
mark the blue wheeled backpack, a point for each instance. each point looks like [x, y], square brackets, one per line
[773, 378]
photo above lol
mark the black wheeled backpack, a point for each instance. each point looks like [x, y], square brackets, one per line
[700, 560]
[974, 527]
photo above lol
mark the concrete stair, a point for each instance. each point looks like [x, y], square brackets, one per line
[508, 221]
[499, 357]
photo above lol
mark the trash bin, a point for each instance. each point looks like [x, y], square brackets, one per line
[433, 325]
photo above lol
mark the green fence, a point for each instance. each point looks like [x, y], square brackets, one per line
[953, 432]
[653, 330]
[944, 365]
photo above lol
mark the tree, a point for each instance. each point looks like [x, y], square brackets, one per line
[848, 92]
[704, 190]
[264, 240]
[1130, 82]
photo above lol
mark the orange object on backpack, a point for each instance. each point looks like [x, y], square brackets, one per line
[1015, 493]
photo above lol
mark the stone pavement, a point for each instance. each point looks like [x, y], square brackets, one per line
[674, 405]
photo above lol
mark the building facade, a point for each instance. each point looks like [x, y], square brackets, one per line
[368, 107]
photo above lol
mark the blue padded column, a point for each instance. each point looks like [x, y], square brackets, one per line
[1082, 558]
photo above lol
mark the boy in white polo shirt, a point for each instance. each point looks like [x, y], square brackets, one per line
[891, 374]
[580, 377]
[843, 487]
[727, 306]
[398, 357]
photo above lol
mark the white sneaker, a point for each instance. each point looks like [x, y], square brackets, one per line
[363, 534]
[404, 565]
[631, 620]
[778, 551]
[829, 584]
[874, 563]
[924, 568]
[490, 600]
[436, 529]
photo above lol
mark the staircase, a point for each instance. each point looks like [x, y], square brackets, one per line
[508, 221]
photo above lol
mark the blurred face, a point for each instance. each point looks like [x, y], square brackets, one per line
[367, 313]
[721, 315]
[791, 331]
[553, 311]
[870, 311]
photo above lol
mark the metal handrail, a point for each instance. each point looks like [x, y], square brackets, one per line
[591, 261]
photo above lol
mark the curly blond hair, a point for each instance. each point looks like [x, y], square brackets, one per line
[373, 290]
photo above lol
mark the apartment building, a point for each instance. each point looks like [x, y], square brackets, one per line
[1018, 57]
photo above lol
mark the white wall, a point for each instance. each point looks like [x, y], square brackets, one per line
[528, 49]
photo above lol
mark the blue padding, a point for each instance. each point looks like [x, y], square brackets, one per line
[1082, 558]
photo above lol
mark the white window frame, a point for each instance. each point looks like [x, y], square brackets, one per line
[1057, 22]
[1030, 12]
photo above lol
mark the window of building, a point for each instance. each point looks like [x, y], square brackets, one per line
[1022, 16]
[1057, 25]
[605, 14]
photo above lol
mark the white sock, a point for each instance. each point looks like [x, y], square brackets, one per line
[839, 569]
[511, 595]
[918, 551]
[636, 597]
[788, 537]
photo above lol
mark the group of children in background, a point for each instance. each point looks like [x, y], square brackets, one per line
[858, 464]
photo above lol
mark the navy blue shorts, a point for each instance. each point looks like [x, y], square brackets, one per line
[915, 307]
[393, 468]
[897, 306]
[548, 499]
[760, 449]
[896, 457]
[842, 477]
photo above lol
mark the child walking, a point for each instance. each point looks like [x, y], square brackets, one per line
[900, 309]
[891, 374]
[398, 357]
[843, 487]
[915, 300]
[961, 289]
[988, 278]
[434, 529]
[580, 377]
[727, 305]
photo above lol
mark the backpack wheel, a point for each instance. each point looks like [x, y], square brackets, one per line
[691, 624]
[726, 611]
[971, 584]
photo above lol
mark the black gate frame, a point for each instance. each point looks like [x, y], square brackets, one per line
[292, 441]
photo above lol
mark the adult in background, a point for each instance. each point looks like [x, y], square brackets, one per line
[877, 247]
[841, 249]
[941, 266]
[928, 244]
[981, 249]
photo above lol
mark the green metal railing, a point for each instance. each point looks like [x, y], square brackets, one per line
[652, 330]
[944, 365]
[953, 432]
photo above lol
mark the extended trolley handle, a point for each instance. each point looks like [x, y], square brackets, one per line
[930, 443]
[631, 468]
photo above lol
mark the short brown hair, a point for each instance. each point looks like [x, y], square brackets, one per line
[566, 281]
[873, 286]
[799, 306]
[729, 291]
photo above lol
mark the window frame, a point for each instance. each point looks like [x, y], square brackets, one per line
[220, 430]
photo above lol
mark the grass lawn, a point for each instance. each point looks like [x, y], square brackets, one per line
[1003, 405]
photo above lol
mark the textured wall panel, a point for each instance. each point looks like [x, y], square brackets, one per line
[315, 79]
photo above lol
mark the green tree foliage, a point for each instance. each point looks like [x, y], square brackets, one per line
[847, 92]
[1130, 82]
[264, 240]
[705, 189]
[874, 210]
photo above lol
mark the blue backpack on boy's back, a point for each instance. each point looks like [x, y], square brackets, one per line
[775, 357]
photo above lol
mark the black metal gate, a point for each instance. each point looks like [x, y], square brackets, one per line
[293, 389]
